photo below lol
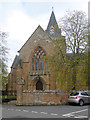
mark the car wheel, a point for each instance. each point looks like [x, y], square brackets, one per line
[69, 103]
[81, 102]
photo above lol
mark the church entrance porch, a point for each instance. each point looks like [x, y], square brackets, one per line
[38, 83]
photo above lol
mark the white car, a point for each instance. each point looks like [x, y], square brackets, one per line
[79, 97]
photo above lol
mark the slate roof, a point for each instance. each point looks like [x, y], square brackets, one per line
[53, 22]
[15, 61]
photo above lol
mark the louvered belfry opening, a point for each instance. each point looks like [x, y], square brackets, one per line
[38, 61]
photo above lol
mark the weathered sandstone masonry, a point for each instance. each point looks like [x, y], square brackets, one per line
[47, 97]
[40, 97]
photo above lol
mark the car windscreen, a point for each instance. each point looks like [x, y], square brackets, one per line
[88, 93]
[74, 94]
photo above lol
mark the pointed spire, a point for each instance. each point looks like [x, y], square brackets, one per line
[52, 28]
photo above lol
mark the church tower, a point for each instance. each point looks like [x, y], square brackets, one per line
[52, 28]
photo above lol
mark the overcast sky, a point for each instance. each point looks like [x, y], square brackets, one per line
[20, 18]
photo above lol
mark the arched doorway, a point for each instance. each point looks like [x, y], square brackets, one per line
[39, 85]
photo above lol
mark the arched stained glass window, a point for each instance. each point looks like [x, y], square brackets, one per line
[33, 64]
[45, 64]
[38, 62]
[42, 65]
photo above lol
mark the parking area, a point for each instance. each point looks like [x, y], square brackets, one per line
[78, 114]
[62, 111]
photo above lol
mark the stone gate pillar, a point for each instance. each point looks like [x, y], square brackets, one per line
[20, 84]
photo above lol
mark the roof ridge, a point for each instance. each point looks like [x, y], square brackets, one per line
[32, 35]
[29, 38]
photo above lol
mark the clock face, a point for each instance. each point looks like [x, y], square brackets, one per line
[51, 30]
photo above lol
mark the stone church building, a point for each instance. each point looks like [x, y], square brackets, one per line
[29, 77]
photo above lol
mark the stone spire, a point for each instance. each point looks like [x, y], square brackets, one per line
[52, 28]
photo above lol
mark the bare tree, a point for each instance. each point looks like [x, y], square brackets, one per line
[75, 27]
[3, 58]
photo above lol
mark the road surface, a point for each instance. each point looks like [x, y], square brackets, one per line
[62, 111]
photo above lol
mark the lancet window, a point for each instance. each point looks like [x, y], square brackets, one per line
[38, 61]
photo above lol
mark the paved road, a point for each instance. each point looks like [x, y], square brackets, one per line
[62, 111]
[0, 111]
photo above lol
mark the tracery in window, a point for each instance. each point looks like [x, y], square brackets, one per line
[38, 60]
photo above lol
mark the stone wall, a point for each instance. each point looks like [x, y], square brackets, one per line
[47, 97]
